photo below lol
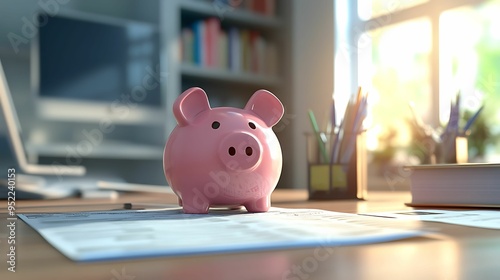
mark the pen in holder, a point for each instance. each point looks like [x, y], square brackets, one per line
[336, 170]
[449, 146]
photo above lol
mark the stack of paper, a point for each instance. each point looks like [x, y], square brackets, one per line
[91, 236]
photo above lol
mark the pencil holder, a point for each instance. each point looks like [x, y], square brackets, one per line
[336, 171]
[453, 150]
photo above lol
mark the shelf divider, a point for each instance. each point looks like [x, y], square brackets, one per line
[216, 74]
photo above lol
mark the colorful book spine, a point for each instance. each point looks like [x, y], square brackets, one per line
[212, 30]
[245, 50]
[234, 50]
[199, 38]
[205, 44]
[187, 45]
[223, 51]
[264, 7]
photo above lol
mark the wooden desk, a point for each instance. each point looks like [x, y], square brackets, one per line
[455, 253]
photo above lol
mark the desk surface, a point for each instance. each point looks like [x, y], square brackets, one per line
[455, 252]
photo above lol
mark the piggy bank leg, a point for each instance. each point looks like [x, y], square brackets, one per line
[260, 205]
[195, 204]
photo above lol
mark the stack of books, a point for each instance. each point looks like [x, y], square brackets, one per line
[207, 45]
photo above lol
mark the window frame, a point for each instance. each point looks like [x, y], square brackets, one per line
[356, 27]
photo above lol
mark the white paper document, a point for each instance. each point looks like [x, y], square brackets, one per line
[110, 235]
[474, 218]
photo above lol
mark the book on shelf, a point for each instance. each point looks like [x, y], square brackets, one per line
[264, 7]
[205, 44]
[198, 40]
[234, 46]
[211, 43]
[223, 48]
[245, 49]
[455, 185]
[187, 49]
[260, 7]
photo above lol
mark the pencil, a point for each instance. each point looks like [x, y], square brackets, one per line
[321, 144]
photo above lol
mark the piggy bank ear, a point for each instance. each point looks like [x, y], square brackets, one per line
[189, 104]
[267, 106]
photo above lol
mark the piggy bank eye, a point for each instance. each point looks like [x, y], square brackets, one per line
[215, 125]
[251, 125]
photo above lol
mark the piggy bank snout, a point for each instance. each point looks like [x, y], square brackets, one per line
[240, 151]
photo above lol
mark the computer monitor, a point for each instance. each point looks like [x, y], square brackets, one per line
[17, 144]
[86, 67]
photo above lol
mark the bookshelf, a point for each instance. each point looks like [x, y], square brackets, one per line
[225, 83]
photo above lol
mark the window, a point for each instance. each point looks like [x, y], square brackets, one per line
[397, 72]
[421, 52]
[469, 56]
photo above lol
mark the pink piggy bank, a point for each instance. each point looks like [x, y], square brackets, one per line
[224, 156]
